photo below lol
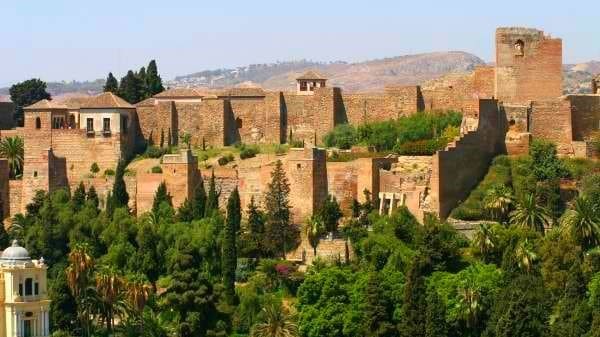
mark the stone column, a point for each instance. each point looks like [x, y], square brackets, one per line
[381, 202]
[392, 201]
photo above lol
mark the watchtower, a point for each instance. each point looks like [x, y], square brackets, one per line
[308, 82]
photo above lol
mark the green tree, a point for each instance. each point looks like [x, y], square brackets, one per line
[199, 201]
[252, 242]
[528, 214]
[109, 288]
[12, 148]
[141, 74]
[153, 80]
[573, 315]
[314, 230]
[546, 165]
[78, 199]
[412, 323]
[525, 255]
[185, 212]
[26, 93]
[582, 222]
[63, 307]
[130, 88]
[92, 197]
[4, 237]
[435, 316]
[79, 275]
[232, 224]
[484, 241]
[149, 259]
[120, 197]
[212, 200]
[276, 322]
[330, 213]
[277, 205]
[497, 201]
[112, 84]
[378, 310]
[161, 196]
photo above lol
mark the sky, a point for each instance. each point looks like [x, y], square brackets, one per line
[85, 39]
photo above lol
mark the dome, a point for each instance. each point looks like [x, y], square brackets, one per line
[15, 253]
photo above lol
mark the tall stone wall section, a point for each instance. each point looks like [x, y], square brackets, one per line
[306, 171]
[459, 168]
[585, 114]
[531, 73]
[551, 120]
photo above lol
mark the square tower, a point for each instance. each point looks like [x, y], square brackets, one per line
[528, 65]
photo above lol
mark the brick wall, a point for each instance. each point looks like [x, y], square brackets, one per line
[15, 191]
[585, 115]
[551, 121]
[536, 74]
[180, 173]
[459, 168]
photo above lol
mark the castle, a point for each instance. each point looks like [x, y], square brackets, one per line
[504, 107]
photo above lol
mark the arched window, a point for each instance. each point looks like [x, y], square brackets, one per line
[519, 47]
[38, 123]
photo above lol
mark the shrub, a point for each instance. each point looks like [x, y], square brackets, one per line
[154, 152]
[420, 147]
[342, 136]
[156, 169]
[546, 165]
[109, 172]
[248, 152]
[226, 159]
[297, 143]
[94, 168]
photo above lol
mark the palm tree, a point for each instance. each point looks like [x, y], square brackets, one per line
[108, 287]
[314, 229]
[529, 214]
[484, 240]
[137, 292]
[470, 305]
[582, 222]
[11, 148]
[78, 275]
[498, 201]
[525, 255]
[276, 323]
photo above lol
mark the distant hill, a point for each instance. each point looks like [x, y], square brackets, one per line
[361, 76]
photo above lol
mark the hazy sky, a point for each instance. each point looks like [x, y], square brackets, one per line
[85, 39]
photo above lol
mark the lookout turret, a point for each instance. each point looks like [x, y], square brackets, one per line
[310, 80]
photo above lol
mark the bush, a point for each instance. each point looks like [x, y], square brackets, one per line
[95, 168]
[424, 147]
[154, 152]
[156, 169]
[342, 136]
[109, 172]
[226, 159]
[248, 152]
[297, 143]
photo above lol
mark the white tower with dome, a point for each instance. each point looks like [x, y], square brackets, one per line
[23, 294]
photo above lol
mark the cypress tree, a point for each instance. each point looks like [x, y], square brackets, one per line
[378, 310]
[141, 74]
[412, 323]
[331, 213]
[355, 208]
[435, 316]
[185, 212]
[111, 85]
[130, 88]
[153, 80]
[277, 205]
[110, 204]
[234, 216]
[79, 197]
[120, 198]
[212, 201]
[256, 229]
[92, 197]
[199, 201]
[161, 195]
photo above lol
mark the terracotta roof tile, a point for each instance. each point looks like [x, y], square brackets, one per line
[181, 93]
[311, 75]
[45, 105]
[74, 102]
[243, 92]
[147, 102]
[107, 100]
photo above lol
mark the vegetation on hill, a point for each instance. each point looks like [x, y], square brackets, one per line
[420, 134]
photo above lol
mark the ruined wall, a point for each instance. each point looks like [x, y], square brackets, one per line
[457, 169]
[551, 121]
[459, 91]
[527, 73]
[585, 115]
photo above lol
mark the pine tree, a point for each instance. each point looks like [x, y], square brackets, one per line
[185, 212]
[110, 204]
[199, 201]
[234, 216]
[120, 198]
[112, 85]
[92, 197]
[141, 74]
[277, 205]
[79, 197]
[26, 93]
[130, 88]
[378, 310]
[161, 196]
[153, 80]
[212, 202]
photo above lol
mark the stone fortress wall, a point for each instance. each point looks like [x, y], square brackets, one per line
[505, 106]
